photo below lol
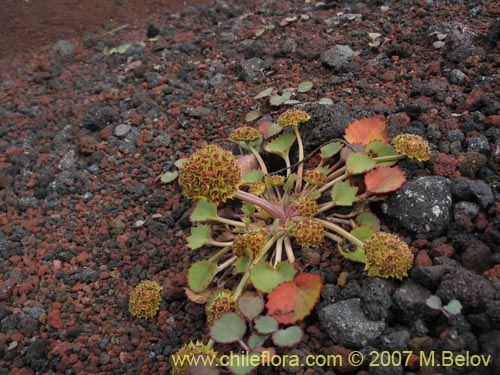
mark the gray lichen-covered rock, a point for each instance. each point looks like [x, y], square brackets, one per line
[471, 289]
[346, 324]
[327, 122]
[376, 299]
[422, 205]
[339, 58]
[252, 69]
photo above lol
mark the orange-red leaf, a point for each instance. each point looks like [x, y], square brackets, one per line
[383, 180]
[292, 301]
[367, 130]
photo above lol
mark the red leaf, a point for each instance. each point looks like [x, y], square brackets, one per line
[367, 130]
[383, 180]
[292, 301]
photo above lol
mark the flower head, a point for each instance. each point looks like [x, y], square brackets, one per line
[293, 117]
[387, 256]
[257, 189]
[220, 303]
[274, 180]
[180, 366]
[309, 233]
[413, 146]
[249, 244]
[145, 300]
[245, 134]
[315, 177]
[211, 173]
[306, 207]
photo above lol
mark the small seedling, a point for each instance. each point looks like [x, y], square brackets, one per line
[454, 307]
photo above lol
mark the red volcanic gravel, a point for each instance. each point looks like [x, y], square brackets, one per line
[91, 117]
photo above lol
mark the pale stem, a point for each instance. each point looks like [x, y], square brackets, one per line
[279, 251]
[218, 254]
[259, 158]
[333, 237]
[234, 223]
[286, 157]
[334, 181]
[220, 244]
[300, 169]
[342, 232]
[259, 202]
[382, 159]
[227, 263]
[325, 206]
[244, 346]
[289, 249]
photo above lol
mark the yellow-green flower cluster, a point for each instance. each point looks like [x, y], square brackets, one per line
[306, 207]
[182, 359]
[145, 300]
[293, 117]
[211, 173]
[249, 244]
[220, 303]
[387, 256]
[315, 177]
[309, 233]
[245, 134]
[274, 180]
[413, 146]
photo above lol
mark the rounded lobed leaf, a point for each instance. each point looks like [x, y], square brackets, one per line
[367, 218]
[384, 180]
[367, 130]
[251, 306]
[200, 274]
[281, 145]
[242, 364]
[255, 340]
[229, 328]
[266, 324]
[358, 163]
[434, 302]
[265, 278]
[200, 235]
[292, 301]
[331, 149]
[343, 194]
[288, 337]
[204, 211]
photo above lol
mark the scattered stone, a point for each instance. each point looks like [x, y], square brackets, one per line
[489, 344]
[252, 70]
[339, 58]
[458, 77]
[428, 276]
[445, 165]
[346, 324]
[67, 161]
[422, 205]
[479, 144]
[469, 288]
[36, 355]
[198, 112]
[470, 163]
[116, 227]
[465, 209]
[376, 299]
[122, 130]
[409, 301]
[477, 257]
[482, 193]
[98, 117]
[63, 51]
[87, 145]
[461, 189]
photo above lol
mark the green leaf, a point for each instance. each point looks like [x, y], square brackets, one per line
[253, 177]
[304, 17]
[200, 274]
[288, 185]
[325, 101]
[168, 177]
[204, 211]
[305, 86]
[288, 337]
[277, 100]
[382, 149]
[374, 36]
[229, 328]
[259, 32]
[291, 19]
[247, 208]
[358, 162]
[264, 93]
[331, 149]
[243, 364]
[434, 302]
[256, 340]
[367, 218]
[281, 145]
[265, 278]
[315, 195]
[179, 163]
[287, 94]
[242, 264]
[200, 235]
[363, 233]
[252, 116]
[266, 324]
[251, 306]
[358, 255]
[343, 194]
[120, 49]
[454, 307]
